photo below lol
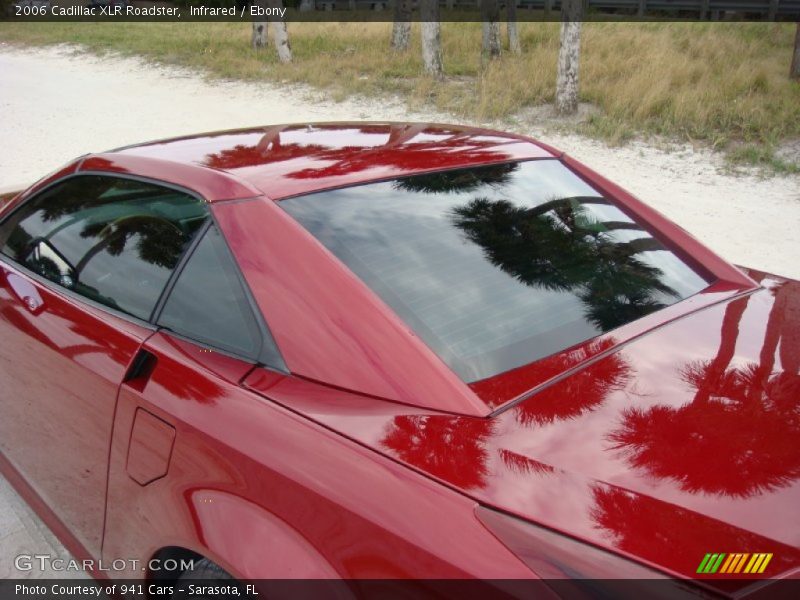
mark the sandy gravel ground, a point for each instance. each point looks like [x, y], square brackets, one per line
[22, 533]
[56, 104]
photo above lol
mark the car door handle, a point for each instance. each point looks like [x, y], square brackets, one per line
[141, 366]
[26, 292]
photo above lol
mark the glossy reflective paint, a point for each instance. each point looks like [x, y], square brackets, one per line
[517, 384]
[329, 326]
[680, 442]
[661, 442]
[268, 494]
[207, 183]
[286, 160]
[60, 365]
[354, 327]
[150, 448]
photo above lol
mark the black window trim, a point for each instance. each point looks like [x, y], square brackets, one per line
[265, 335]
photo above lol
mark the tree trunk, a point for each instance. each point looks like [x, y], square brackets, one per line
[431, 38]
[271, 140]
[772, 11]
[794, 72]
[281, 36]
[513, 33]
[490, 13]
[259, 38]
[401, 30]
[569, 57]
[726, 349]
[400, 134]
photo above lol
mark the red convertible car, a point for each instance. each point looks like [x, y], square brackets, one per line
[382, 351]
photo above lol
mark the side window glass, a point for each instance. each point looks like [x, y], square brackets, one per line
[208, 302]
[115, 241]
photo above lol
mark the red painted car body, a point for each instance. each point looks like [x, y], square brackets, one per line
[665, 439]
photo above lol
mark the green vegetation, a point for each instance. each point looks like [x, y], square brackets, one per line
[762, 155]
[725, 84]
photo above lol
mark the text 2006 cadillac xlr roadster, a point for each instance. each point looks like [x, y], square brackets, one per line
[386, 351]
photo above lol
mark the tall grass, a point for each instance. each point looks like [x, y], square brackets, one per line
[717, 82]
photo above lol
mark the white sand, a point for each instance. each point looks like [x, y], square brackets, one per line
[56, 104]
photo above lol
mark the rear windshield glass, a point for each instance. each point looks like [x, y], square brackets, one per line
[498, 266]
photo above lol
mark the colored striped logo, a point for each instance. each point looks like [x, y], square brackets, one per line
[737, 562]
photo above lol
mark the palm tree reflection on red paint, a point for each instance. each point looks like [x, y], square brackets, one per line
[270, 148]
[581, 392]
[341, 160]
[738, 436]
[456, 448]
[452, 448]
[662, 532]
[523, 465]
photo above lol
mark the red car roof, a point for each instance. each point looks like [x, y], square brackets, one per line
[351, 327]
[287, 160]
